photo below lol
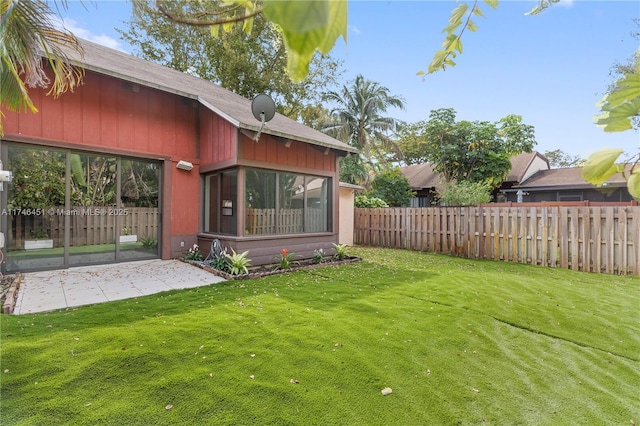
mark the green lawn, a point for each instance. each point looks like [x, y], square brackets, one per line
[458, 341]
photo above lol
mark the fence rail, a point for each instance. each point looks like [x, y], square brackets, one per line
[88, 225]
[602, 239]
[285, 221]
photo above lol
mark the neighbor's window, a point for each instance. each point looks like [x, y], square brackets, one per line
[570, 196]
[285, 203]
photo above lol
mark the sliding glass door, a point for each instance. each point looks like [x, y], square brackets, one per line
[34, 236]
[138, 217]
[92, 222]
[69, 208]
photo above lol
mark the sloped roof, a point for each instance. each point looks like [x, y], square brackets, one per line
[421, 176]
[520, 165]
[570, 177]
[230, 106]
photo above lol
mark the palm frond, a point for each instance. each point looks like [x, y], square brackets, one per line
[28, 34]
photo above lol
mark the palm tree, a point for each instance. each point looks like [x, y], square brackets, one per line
[27, 34]
[360, 119]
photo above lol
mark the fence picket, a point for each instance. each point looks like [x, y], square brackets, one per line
[583, 238]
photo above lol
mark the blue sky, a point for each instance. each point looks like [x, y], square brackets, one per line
[551, 69]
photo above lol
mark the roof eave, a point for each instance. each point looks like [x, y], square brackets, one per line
[615, 185]
[266, 130]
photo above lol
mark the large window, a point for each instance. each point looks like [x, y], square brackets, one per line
[68, 208]
[285, 203]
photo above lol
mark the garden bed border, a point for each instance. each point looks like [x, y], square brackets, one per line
[260, 273]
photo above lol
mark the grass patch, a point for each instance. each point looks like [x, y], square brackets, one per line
[458, 341]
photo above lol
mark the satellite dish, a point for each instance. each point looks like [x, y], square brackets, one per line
[263, 109]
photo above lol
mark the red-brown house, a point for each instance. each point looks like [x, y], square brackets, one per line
[142, 161]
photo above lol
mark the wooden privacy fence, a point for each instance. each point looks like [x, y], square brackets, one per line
[604, 239]
[285, 221]
[88, 225]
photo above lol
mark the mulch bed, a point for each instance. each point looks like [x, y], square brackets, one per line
[267, 270]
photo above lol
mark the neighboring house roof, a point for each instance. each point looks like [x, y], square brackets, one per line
[421, 176]
[565, 178]
[521, 166]
[530, 172]
[230, 106]
[351, 186]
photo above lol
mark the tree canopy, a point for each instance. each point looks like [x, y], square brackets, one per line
[475, 151]
[246, 63]
[560, 159]
[393, 187]
[358, 117]
[306, 27]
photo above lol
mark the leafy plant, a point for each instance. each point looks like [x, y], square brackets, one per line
[392, 187]
[476, 151]
[39, 234]
[126, 231]
[305, 29]
[194, 253]
[341, 251]
[465, 193]
[238, 263]
[365, 201]
[359, 120]
[318, 256]
[221, 263]
[149, 242]
[285, 260]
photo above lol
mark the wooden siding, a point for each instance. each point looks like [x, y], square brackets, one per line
[262, 250]
[217, 138]
[299, 154]
[109, 115]
[107, 112]
[592, 239]
[185, 202]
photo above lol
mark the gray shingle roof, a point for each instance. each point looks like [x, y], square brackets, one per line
[421, 176]
[570, 177]
[520, 164]
[230, 106]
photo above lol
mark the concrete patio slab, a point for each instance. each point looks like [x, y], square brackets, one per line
[87, 285]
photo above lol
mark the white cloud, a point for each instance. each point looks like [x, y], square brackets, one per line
[80, 32]
[355, 29]
[566, 3]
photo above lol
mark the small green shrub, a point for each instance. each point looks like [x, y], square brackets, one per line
[39, 234]
[149, 242]
[238, 263]
[285, 260]
[221, 263]
[341, 251]
[318, 256]
[194, 254]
